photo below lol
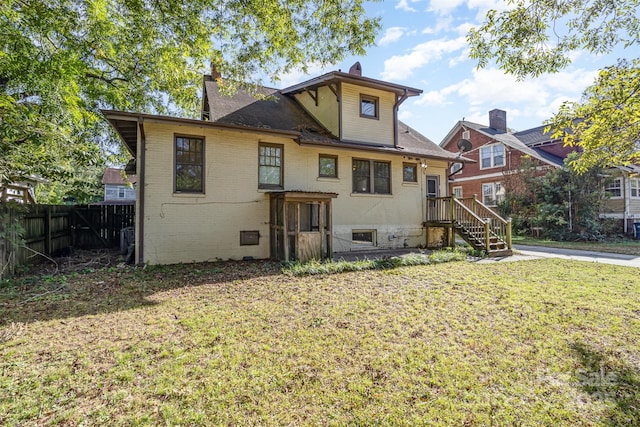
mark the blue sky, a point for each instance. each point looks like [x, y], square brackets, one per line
[422, 44]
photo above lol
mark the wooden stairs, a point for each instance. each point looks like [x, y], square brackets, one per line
[477, 224]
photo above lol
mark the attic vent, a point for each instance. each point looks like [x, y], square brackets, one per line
[466, 134]
[356, 69]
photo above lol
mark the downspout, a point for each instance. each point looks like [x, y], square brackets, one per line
[395, 116]
[141, 168]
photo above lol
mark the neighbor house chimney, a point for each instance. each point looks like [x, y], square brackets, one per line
[498, 120]
[356, 69]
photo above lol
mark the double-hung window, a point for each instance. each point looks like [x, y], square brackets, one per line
[634, 184]
[614, 190]
[491, 156]
[371, 176]
[189, 164]
[492, 193]
[270, 162]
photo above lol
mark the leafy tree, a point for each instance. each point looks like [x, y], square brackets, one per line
[61, 61]
[532, 37]
[564, 202]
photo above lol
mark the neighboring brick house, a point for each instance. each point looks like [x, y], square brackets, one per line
[118, 187]
[497, 152]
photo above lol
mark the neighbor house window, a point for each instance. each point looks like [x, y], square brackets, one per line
[369, 106]
[456, 167]
[328, 166]
[615, 188]
[189, 166]
[409, 172]
[457, 192]
[121, 193]
[371, 176]
[491, 156]
[634, 184]
[492, 193]
[270, 166]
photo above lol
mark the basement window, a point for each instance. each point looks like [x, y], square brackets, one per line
[363, 237]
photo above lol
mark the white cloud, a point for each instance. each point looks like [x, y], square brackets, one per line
[444, 6]
[393, 34]
[401, 67]
[491, 88]
[442, 24]
[404, 5]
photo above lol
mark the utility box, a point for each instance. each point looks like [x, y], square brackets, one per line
[636, 225]
[127, 238]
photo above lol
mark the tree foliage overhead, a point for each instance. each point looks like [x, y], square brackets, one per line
[63, 60]
[532, 37]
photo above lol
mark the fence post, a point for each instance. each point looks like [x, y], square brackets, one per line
[47, 229]
[509, 221]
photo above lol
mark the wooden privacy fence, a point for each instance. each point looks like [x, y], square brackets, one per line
[28, 230]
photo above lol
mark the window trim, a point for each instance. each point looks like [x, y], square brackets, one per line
[415, 172]
[279, 186]
[372, 164]
[327, 156]
[376, 106]
[492, 157]
[453, 192]
[175, 163]
[611, 187]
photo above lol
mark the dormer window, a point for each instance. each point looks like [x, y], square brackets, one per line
[369, 106]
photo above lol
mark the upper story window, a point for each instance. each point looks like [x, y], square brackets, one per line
[615, 188]
[369, 106]
[189, 164]
[270, 163]
[634, 184]
[456, 167]
[491, 156]
[371, 176]
[328, 166]
[409, 172]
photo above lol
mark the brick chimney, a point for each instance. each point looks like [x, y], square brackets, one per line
[356, 69]
[215, 74]
[498, 120]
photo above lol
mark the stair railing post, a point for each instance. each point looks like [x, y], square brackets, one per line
[487, 242]
[452, 217]
[509, 221]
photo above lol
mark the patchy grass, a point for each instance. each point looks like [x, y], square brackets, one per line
[544, 342]
[616, 246]
[342, 266]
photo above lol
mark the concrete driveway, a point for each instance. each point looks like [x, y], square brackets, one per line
[588, 256]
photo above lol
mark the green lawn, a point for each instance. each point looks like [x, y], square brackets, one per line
[617, 246]
[541, 342]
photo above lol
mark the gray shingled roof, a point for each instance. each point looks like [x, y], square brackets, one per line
[281, 112]
[517, 141]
